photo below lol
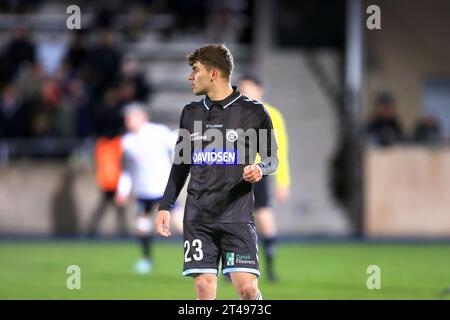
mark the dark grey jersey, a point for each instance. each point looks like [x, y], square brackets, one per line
[217, 140]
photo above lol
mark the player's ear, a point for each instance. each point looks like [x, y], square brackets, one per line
[214, 74]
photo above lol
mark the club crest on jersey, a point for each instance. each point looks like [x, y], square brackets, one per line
[215, 157]
[232, 135]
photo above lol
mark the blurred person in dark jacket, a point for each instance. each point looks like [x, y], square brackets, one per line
[383, 129]
[428, 131]
[14, 115]
[130, 73]
[21, 49]
[77, 54]
[104, 65]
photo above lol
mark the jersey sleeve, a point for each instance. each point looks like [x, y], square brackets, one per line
[180, 170]
[267, 146]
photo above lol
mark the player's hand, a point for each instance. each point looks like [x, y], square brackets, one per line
[162, 223]
[281, 194]
[120, 199]
[252, 173]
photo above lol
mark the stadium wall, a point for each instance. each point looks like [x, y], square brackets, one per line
[48, 199]
[407, 192]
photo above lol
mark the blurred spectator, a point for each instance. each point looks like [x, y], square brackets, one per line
[77, 100]
[19, 6]
[14, 115]
[108, 157]
[104, 65]
[50, 117]
[428, 131]
[136, 23]
[21, 49]
[127, 92]
[105, 15]
[384, 128]
[226, 20]
[77, 54]
[29, 82]
[190, 15]
[130, 72]
[51, 52]
[107, 117]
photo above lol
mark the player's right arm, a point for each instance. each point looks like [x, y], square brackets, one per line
[177, 179]
[163, 223]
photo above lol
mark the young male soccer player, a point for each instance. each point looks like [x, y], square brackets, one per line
[252, 87]
[217, 145]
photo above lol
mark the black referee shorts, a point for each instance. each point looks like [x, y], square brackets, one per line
[146, 206]
[208, 244]
[262, 193]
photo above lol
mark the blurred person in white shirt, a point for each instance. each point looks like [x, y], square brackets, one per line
[147, 154]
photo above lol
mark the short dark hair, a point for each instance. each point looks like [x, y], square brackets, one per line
[253, 78]
[213, 56]
[384, 98]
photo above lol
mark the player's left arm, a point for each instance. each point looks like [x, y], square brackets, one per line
[267, 148]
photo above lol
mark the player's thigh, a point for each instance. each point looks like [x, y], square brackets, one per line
[265, 221]
[239, 248]
[201, 249]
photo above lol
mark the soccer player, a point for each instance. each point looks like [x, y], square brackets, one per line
[219, 137]
[147, 160]
[252, 87]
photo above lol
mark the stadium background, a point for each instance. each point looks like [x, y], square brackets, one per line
[354, 201]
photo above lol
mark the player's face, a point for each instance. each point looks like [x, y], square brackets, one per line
[134, 120]
[200, 79]
[250, 89]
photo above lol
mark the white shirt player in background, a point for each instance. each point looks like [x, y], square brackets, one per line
[148, 149]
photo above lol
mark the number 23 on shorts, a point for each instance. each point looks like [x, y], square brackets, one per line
[197, 245]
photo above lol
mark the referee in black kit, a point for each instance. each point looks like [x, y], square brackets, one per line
[219, 138]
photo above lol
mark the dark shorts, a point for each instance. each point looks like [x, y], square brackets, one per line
[262, 193]
[235, 245]
[146, 206]
[109, 195]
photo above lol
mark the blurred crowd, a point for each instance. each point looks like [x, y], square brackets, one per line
[54, 88]
[384, 126]
[51, 87]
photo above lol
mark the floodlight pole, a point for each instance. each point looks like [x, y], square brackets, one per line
[354, 72]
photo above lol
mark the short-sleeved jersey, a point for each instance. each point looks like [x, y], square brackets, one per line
[220, 139]
[148, 159]
[282, 178]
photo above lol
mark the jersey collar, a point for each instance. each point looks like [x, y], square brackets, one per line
[228, 101]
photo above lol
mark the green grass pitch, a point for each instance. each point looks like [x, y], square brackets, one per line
[306, 270]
